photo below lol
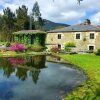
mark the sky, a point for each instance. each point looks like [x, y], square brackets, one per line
[60, 11]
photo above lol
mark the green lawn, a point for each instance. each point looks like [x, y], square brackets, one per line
[90, 63]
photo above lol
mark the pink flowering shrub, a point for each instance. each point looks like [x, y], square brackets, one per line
[54, 49]
[17, 47]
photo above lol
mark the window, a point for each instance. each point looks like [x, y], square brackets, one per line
[59, 46]
[78, 36]
[59, 36]
[91, 47]
[91, 35]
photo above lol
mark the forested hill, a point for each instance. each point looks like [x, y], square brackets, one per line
[49, 25]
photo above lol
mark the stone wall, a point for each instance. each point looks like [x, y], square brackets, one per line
[81, 44]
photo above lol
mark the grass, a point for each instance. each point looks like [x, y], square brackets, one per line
[90, 90]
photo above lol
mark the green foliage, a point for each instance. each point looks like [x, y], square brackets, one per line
[68, 46]
[86, 91]
[8, 44]
[35, 48]
[1, 22]
[68, 49]
[38, 21]
[8, 24]
[97, 52]
[37, 38]
[22, 20]
[36, 10]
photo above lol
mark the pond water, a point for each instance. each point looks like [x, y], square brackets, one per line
[34, 78]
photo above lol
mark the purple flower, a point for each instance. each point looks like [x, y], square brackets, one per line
[17, 47]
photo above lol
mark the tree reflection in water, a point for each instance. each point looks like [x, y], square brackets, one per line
[22, 66]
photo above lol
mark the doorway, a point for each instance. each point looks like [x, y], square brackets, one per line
[59, 46]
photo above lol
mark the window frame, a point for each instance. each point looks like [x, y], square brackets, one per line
[59, 35]
[91, 45]
[92, 37]
[76, 36]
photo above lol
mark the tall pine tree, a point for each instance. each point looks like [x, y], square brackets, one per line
[22, 18]
[8, 23]
[38, 21]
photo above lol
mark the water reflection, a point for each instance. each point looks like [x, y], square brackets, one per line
[34, 78]
[22, 66]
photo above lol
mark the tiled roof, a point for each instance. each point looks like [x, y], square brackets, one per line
[77, 28]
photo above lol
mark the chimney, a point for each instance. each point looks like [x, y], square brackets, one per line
[87, 22]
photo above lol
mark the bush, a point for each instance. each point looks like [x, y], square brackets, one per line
[35, 48]
[68, 46]
[8, 44]
[68, 49]
[28, 47]
[54, 49]
[97, 52]
[17, 47]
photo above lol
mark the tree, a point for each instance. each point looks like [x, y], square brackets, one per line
[22, 18]
[79, 1]
[38, 21]
[1, 22]
[8, 23]
[1, 26]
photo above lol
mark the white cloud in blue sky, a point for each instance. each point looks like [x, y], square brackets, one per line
[64, 11]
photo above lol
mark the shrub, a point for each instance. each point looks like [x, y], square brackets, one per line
[97, 52]
[8, 44]
[68, 49]
[28, 47]
[54, 49]
[17, 47]
[68, 46]
[35, 48]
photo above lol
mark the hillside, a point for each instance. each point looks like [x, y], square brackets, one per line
[49, 25]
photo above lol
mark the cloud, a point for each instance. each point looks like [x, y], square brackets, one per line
[68, 10]
[96, 18]
[11, 6]
[59, 10]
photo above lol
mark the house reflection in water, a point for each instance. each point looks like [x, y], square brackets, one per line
[22, 67]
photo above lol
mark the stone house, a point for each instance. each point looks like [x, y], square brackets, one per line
[85, 36]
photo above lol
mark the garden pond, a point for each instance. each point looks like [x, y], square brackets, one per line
[36, 78]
